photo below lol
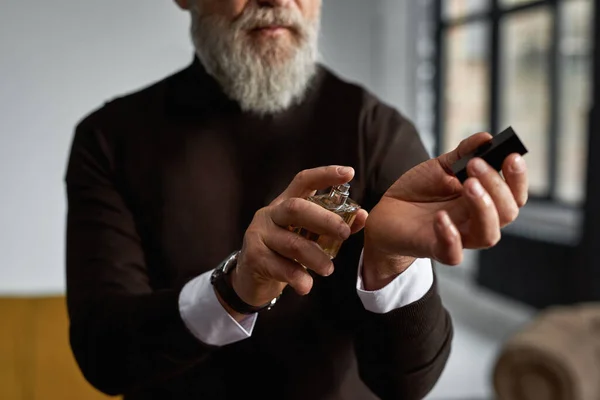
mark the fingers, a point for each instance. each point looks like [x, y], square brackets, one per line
[484, 224]
[497, 188]
[465, 147]
[308, 181]
[447, 248]
[310, 216]
[275, 267]
[290, 272]
[360, 221]
[514, 170]
[295, 247]
[492, 202]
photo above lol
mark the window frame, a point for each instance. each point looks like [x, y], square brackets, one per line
[493, 18]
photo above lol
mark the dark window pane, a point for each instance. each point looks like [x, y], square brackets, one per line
[525, 87]
[466, 77]
[576, 82]
[452, 9]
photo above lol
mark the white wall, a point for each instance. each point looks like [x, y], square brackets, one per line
[61, 59]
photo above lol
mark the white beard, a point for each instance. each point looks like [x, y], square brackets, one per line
[263, 78]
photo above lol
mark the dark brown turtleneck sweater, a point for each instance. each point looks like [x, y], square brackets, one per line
[161, 185]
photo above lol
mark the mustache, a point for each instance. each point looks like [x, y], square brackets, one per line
[254, 18]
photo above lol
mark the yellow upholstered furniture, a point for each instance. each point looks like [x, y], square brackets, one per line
[35, 359]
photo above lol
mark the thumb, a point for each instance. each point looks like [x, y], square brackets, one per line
[465, 147]
[306, 182]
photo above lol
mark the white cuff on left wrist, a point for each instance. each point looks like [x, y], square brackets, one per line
[406, 288]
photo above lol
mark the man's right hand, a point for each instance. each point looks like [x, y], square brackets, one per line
[273, 257]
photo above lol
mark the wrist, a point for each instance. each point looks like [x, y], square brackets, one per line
[262, 296]
[380, 269]
[226, 282]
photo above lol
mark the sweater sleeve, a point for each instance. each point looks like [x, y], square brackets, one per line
[123, 332]
[401, 353]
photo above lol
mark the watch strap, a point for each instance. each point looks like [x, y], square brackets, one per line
[223, 286]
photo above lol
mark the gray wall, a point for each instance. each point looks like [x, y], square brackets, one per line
[61, 59]
[373, 43]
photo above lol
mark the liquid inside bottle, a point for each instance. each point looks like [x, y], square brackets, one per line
[336, 201]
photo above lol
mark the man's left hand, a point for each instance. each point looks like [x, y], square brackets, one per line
[427, 213]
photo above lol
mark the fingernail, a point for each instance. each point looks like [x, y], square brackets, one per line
[479, 166]
[476, 189]
[344, 170]
[518, 165]
[330, 271]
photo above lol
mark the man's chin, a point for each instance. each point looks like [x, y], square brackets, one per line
[274, 51]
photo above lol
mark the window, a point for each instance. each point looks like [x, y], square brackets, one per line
[525, 64]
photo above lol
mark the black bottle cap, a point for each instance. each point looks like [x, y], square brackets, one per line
[493, 152]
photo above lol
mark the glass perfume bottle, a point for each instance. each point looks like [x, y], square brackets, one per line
[336, 201]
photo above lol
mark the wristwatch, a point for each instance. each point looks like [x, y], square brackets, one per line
[223, 286]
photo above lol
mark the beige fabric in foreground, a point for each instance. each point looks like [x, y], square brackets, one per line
[556, 357]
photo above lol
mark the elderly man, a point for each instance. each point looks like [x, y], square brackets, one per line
[184, 281]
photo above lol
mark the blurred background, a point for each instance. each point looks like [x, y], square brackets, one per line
[454, 67]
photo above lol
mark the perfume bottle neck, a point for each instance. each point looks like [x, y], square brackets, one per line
[339, 195]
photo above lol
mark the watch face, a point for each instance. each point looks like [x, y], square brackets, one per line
[216, 274]
[229, 264]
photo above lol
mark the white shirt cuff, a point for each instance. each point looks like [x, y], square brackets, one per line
[206, 318]
[406, 288]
